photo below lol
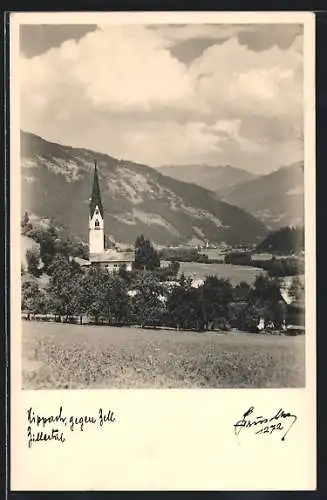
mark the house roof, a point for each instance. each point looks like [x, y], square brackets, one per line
[285, 290]
[96, 195]
[286, 296]
[81, 262]
[112, 256]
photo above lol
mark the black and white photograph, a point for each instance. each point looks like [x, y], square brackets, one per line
[162, 206]
[162, 255]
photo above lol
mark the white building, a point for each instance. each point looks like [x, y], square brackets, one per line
[110, 259]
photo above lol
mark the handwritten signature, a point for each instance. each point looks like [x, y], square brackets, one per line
[282, 422]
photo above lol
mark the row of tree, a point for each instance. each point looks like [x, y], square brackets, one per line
[183, 255]
[275, 267]
[287, 266]
[141, 298]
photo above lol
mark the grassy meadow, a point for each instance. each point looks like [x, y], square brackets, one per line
[63, 356]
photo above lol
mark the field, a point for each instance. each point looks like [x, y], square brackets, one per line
[235, 274]
[62, 356]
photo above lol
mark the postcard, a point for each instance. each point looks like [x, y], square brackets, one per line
[162, 210]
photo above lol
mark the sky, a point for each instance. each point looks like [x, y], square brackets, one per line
[214, 94]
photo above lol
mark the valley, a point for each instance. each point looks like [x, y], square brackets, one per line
[137, 199]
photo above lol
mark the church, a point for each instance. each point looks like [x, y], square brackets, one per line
[110, 259]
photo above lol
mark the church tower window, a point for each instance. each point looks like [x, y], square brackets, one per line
[97, 223]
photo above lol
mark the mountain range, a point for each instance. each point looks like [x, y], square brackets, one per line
[213, 178]
[56, 182]
[284, 241]
[277, 199]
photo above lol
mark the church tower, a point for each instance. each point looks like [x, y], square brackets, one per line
[96, 218]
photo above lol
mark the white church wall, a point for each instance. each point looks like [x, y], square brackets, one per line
[96, 232]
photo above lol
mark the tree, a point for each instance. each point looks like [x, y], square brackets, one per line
[34, 300]
[174, 269]
[182, 255]
[266, 296]
[242, 292]
[33, 261]
[247, 317]
[104, 296]
[25, 222]
[147, 305]
[62, 246]
[171, 271]
[296, 289]
[266, 289]
[124, 274]
[185, 306]
[65, 288]
[81, 250]
[216, 294]
[115, 300]
[146, 257]
[47, 248]
[94, 293]
[274, 315]
[167, 273]
[46, 237]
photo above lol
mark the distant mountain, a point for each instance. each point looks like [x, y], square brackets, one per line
[56, 183]
[277, 199]
[213, 178]
[285, 241]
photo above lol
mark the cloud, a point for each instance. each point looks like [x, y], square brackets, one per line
[175, 33]
[256, 37]
[117, 68]
[122, 90]
[241, 81]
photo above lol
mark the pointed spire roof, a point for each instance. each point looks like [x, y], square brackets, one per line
[96, 195]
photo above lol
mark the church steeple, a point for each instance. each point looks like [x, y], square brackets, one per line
[96, 195]
[96, 218]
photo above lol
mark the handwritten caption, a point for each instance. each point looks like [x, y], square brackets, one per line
[56, 427]
[280, 422]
